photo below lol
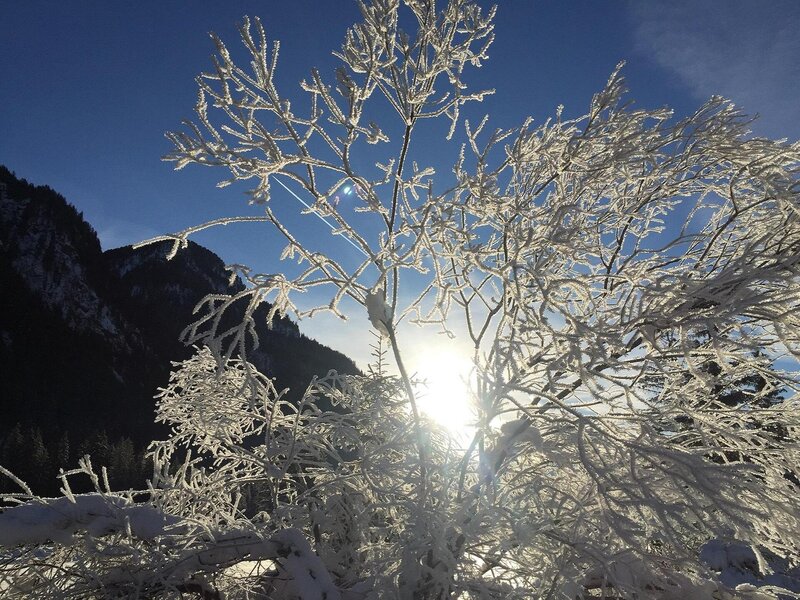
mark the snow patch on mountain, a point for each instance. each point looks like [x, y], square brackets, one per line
[52, 267]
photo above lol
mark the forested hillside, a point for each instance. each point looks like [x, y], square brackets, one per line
[87, 337]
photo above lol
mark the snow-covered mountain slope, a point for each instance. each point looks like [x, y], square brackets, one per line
[53, 251]
[87, 337]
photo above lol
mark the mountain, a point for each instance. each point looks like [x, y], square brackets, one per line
[87, 337]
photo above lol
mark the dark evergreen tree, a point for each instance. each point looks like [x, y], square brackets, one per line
[750, 392]
[62, 452]
[12, 450]
[40, 474]
[123, 471]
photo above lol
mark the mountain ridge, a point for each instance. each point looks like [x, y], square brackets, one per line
[88, 336]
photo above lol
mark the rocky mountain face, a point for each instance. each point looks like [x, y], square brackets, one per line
[87, 337]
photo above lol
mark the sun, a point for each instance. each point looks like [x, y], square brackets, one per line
[443, 376]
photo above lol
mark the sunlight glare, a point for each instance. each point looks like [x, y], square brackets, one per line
[443, 390]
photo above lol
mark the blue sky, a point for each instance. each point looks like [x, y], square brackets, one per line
[89, 87]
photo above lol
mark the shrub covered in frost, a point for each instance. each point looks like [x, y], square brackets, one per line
[615, 275]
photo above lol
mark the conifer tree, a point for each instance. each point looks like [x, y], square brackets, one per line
[62, 452]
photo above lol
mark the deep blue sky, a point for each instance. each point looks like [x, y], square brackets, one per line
[89, 87]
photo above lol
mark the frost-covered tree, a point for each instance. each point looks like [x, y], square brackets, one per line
[582, 259]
